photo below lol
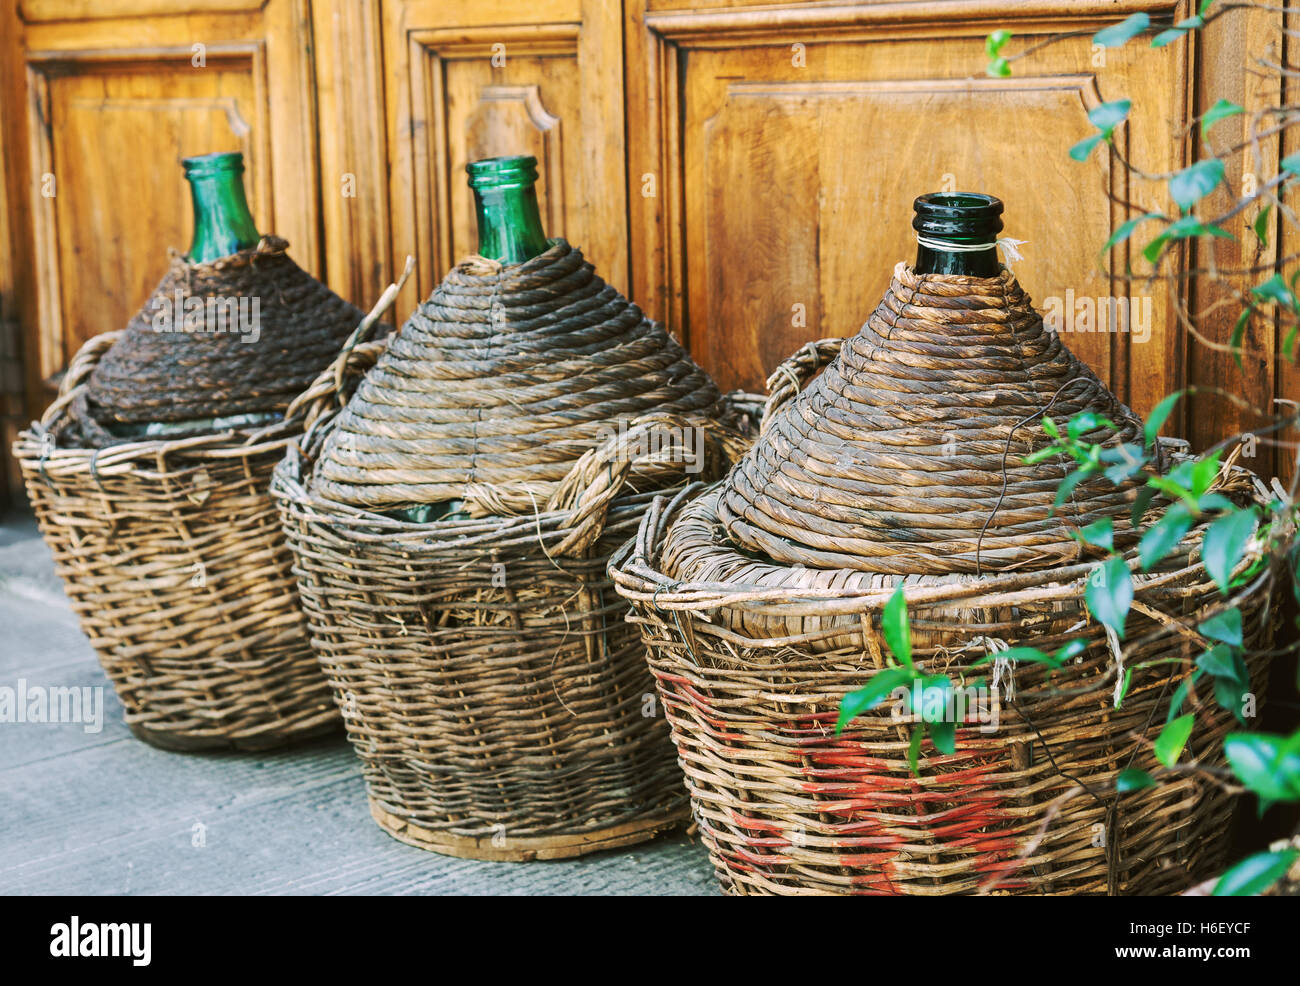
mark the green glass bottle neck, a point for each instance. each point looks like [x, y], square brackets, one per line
[980, 263]
[223, 223]
[509, 223]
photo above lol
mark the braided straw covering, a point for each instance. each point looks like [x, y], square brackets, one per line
[150, 375]
[504, 378]
[904, 456]
[752, 658]
[499, 702]
[172, 556]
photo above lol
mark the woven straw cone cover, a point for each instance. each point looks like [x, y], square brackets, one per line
[504, 377]
[150, 375]
[892, 460]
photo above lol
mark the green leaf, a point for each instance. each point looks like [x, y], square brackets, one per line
[1290, 164]
[914, 748]
[1159, 415]
[1140, 504]
[1231, 677]
[1205, 6]
[944, 736]
[1049, 426]
[1133, 779]
[1126, 228]
[1100, 533]
[1268, 765]
[1180, 695]
[1033, 458]
[1224, 544]
[994, 42]
[1069, 483]
[1123, 691]
[1196, 181]
[1163, 536]
[1219, 111]
[1081, 150]
[1239, 333]
[1182, 229]
[1204, 472]
[1276, 291]
[1261, 223]
[998, 68]
[1255, 874]
[1107, 116]
[881, 685]
[1087, 421]
[1109, 594]
[1070, 651]
[897, 629]
[1225, 627]
[1117, 35]
[1169, 744]
[1176, 32]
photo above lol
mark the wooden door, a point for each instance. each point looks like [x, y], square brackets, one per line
[778, 151]
[466, 81]
[112, 97]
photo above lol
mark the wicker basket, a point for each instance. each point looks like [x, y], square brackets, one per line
[751, 671]
[499, 702]
[172, 557]
[752, 656]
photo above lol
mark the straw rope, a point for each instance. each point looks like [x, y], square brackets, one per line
[508, 374]
[172, 376]
[904, 456]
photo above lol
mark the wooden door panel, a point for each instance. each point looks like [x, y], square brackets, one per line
[792, 141]
[114, 98]
[473, 81]
[103, 119]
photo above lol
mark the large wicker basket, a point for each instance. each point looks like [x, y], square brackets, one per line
[172, 557]
[752, 657]
[497, 698]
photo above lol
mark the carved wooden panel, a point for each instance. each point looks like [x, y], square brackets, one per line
[93, 138]
[787, 166]
[470, 81]
[114, 98]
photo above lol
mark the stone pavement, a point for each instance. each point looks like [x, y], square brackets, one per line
[87, 812]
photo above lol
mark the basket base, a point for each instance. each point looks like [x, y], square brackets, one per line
[534, 847]
[175, 741]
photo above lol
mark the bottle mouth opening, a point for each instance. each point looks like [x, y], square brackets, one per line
[517, 171]
[958, 215]
[218, 162]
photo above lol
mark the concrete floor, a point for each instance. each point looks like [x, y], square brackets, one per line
[86, 812]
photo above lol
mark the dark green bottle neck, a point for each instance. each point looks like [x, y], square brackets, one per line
[223, 224]
[981, 263]
[957, 219]
[509, 223]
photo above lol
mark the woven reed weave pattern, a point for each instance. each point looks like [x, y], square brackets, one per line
[172, 557]
[181, 376]
[893, 459]
[504, 377]
[752, 658]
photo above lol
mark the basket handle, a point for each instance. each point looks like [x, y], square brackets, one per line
[597, 478]
[355, 357]
[79, 370]
[793, 373]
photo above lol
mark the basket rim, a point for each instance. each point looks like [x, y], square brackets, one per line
[641, 581]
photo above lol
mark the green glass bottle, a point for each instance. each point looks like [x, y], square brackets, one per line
[948, 224]
[505, 205]
[222, 223]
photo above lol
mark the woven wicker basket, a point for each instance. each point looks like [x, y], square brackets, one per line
[499, 702]
[171, 555]
[752, 657]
